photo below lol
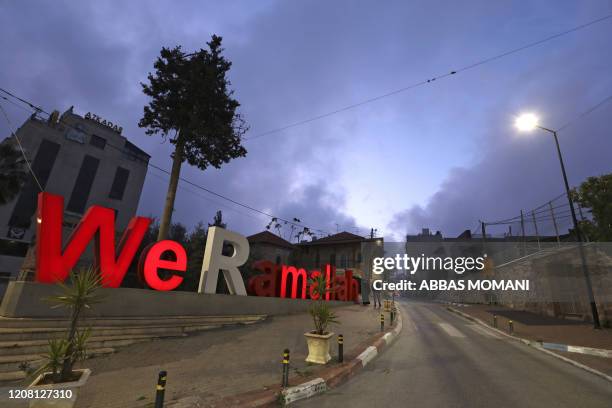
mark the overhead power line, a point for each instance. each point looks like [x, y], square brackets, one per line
[27, 161]
[586, 112]
[430, 79]
[38, 110]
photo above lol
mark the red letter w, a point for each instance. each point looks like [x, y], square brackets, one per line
[53, 264]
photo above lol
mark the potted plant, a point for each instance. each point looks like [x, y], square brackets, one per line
[318, 340]
[56, 377]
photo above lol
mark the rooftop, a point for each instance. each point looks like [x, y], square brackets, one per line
[266, 237]
[343, 237]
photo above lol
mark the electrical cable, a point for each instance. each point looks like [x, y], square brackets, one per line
[430, 80]
[39, 110]
[10, 126]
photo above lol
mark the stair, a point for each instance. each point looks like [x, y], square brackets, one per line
[26, 340]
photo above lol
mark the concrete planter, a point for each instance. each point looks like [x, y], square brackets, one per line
[318, 347]
[70, 390]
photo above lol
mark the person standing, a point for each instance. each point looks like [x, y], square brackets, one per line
[376, 296]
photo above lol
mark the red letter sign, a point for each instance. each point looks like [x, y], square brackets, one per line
[53, 264]
[295, 274]
[150, 262]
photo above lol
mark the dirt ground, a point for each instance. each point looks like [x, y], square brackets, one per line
[216, 363]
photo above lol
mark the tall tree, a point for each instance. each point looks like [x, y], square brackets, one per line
[192, 105]
[595, 194]
[13, 172]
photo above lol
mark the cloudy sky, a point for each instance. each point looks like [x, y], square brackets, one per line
[441, 156]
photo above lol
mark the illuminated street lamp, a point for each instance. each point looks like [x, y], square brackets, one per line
[527, 122]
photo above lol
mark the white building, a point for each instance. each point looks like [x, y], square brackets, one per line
[84, 159]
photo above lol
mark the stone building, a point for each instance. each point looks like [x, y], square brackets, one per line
[268, 246]
[344, 251]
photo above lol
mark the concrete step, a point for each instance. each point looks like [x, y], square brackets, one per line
[36, 333]
[11, 376]
[44, 333]
[130, 321]
[11, 362]
[26, 339]
[8, 348]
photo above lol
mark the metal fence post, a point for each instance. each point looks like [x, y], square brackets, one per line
[285, 382]
[160, 389]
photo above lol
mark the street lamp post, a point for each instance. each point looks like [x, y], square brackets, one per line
[528, 122]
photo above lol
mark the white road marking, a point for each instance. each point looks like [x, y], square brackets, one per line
[450, 330]
[483, 331]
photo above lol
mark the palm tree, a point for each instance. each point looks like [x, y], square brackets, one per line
[79, 295]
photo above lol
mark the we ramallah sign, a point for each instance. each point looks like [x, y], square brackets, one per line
[55, 259]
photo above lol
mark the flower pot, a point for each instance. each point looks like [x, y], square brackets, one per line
[66, 392]
[318, 347]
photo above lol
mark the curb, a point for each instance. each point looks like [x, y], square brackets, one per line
[337, 376]
[275, 396]
[578, 349]
[536, 345]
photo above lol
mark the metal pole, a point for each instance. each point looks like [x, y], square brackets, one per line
[285, 382]
[535, 225]
[552, 214]
[484, 237]
[382, 322]
[523, 231]
[340, 348]
[160, 389]
[585, 270]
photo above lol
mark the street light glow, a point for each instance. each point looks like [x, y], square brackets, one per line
[526, 122]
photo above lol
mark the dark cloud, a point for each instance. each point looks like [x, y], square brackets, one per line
[441, 156]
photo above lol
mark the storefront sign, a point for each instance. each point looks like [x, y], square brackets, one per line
[103, 122]
[54, 260]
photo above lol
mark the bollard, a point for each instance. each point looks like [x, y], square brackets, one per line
[382, 322]
[160, 390]
[340, 348]
[495, 321]
[510, 327]
[285, 382]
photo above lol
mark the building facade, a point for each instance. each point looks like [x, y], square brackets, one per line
[84, 159]
[271, 247]
[343, 250]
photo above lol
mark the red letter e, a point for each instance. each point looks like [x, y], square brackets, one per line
[150, 263]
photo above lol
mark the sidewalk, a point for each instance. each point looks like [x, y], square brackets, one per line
[534, 327]
[219, 363]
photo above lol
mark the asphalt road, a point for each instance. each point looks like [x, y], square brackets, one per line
[443, 360]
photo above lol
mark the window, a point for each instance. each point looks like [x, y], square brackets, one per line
[82, 186]
[119, 183]
[343, 261]
[76, 133]
[41, 166]
[332, 259]
[97, 141]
